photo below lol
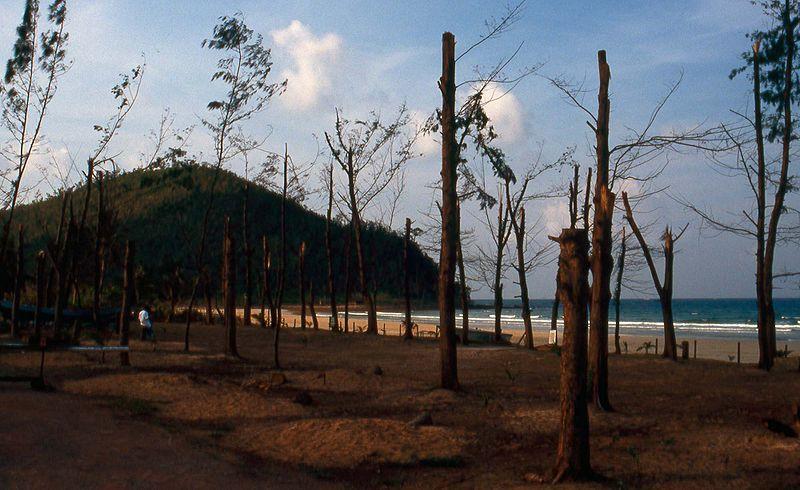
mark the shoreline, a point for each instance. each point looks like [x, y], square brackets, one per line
[741, 350]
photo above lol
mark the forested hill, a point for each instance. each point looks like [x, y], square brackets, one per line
[162, 211]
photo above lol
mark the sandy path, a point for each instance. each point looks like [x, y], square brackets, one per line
[54, 440]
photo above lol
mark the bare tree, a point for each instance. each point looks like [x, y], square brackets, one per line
[329, 252]
[664, 289]
[371, 154]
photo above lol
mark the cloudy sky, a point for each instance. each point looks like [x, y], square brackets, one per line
[361, 56]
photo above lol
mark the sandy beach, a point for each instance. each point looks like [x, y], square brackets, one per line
[340, 414]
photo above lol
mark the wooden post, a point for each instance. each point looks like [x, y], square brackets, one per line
[656, 346]
[302, 281]
[685, 350]
[128, 292]
[572, 461]
[312, 308]
[738, 352]
[450, 228]
[695, 349]
[19, 281]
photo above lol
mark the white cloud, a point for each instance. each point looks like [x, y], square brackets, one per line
[426, 143]
[505, 111]
[312, 57]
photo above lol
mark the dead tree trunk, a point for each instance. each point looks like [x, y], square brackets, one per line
[302, 283]
[409, 334]
[462, 278]
[519, 233]
[128, 293]
[267, 286]
[52, 276]
[62, 272]
[229, 290]
[282, 275]
[602, 261]
[209, 306]
[348, 281]
[248, 258]
[314, 320]
[502, 236]
[572, 461]
[450, 226]
[99, 249]
[664, 290]
[40, 297]
[329, 253]
[19, 281]
[618, 289]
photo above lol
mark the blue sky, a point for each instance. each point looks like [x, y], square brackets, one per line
[360, 56]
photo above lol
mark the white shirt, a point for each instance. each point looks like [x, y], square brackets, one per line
[144, 318]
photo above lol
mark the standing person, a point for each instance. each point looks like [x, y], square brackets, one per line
[147, 324]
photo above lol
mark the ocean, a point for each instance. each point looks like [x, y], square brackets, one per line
[694, 318]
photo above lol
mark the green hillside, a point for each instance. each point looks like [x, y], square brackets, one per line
[162, 211]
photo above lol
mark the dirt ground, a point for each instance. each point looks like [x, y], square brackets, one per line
[342, 418]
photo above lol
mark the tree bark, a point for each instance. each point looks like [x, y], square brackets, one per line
[267, 287]
[99, 250]
[282, 275]
[62, 288]
[498, 272]
[764, 360]
[618, 290]
[601, 261]
[128, 293]
[229, 290]
[572, 461]
[348, 281]
[450, 225]
[409, 334]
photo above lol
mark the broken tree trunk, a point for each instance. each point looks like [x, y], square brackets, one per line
[618, 289]
[407, 282]
[572, 461]
[128, 293]
[229, 290]
[602, 261]
[329, 253]
[664, 290]
[450, 228]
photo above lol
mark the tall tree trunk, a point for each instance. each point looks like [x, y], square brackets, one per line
[52, 276]
[208, 294]
[498, 275]
[601, 262]
[462, 278]
[450, 221]
[229, 290]
[19, 281]
[770, 347]
[369, 300]
[618, 289]
[409, 334]
[128, 293]
[248, 258]
[519, 231]
[572, 461]
[302, 282]
[329, 253]
[62, 288]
